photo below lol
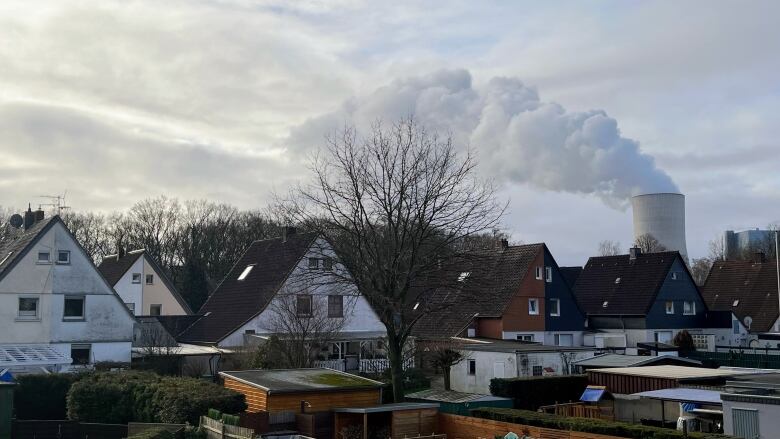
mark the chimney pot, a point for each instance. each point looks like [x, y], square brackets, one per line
[39, 215]
[29, 218]
[634, 252]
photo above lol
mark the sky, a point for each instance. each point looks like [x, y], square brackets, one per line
[570, 106]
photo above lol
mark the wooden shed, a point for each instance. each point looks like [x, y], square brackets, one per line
[319, 389]
[397, 421]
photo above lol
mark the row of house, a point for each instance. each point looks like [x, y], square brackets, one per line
[59, 310]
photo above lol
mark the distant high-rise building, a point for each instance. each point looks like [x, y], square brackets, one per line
[736, 245]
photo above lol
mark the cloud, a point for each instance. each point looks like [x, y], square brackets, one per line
[518, 137]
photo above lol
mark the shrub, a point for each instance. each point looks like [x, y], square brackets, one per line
[534, 392]
[598, 426]
[146, 397]
[214, 414]
[231, 420]
[154, 433]
[42, 396]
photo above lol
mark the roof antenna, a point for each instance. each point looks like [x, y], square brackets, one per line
[55, 201]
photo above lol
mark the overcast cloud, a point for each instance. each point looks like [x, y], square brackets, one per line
[573, 106]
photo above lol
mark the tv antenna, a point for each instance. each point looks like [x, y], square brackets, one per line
[55, 202]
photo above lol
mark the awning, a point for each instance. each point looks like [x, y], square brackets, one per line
[19, 355]
[593, 394]
[680, 394]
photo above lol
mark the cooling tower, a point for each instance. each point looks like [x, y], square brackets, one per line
[663, 216]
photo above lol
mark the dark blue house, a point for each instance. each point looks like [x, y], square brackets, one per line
[648, 297]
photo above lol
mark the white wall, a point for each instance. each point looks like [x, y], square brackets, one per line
[512, 335]
[768, 417]
[130, 292]
[358, 314]
[106, 318]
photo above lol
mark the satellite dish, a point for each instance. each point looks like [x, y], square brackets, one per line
[16, 220]
[748, 321]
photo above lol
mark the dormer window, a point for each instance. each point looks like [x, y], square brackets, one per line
[44, 257]
[463, 276]
[246, 272]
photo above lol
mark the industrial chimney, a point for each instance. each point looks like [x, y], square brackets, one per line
[661, 215]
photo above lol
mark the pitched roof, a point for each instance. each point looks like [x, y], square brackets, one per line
[114, 267]
[493, 279]
[235, 302]
[301, 380]
[752, 286]
[16, 245]
[570, 275]
[628, 287]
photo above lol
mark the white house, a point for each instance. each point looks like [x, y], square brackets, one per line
[292, 277]
[486, 359]
[143, 285]
[56, 310]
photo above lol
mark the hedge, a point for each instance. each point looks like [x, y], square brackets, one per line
[42, 396]
[534, 392]
[122, 397]
[598, 426]
[155, 433]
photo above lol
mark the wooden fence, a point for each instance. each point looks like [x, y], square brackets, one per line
[62, 429]
[465, 427]
[579, 410]
[217, 430]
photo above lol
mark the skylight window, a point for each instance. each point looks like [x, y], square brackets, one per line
[617, 281]
[605, 304]
[463, 276]
[735, 303]
[246, 272]
[416, 305]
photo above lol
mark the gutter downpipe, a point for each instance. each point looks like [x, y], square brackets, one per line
[777, 264]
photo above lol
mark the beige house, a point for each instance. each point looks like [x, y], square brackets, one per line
[143, 285]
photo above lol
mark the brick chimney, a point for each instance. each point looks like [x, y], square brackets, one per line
[634, 253]
[504, 244]
[29, 218]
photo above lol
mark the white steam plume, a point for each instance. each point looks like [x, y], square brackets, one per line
[518, 138]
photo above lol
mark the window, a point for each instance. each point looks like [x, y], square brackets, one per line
[674, 275]
[617, 280]
[533, 306]
[539, 273]
[149, 279]
[669, 307]
[155, 309]
[336, 306]
[136, 278]
[735, 303]
[74, 308]
[525, 337]
[472, 365]
[663, 337]
[314, 264]
[463, 276]
[303, 306]
[80, 353]
[327, 264]
[28, 308]
[735, 326]
[689, 308]
[63, 257]
[605, 304]
[548, 274]
[44, 257]
[249, 331]
[131, 307]
[537, 371]
[246, 272]
[555, 307]
[564, 340]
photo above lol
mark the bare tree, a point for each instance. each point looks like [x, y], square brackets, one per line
[717, 249]
[304, 322]
[443, 356]
[154, 340]
[90, 231]
[395, 205]
[700, 269]
[609, 248]
[648, 244]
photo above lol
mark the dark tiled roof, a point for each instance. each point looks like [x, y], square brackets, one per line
[113, 267]
[14, 246]
[494, 279]
[235, 302]
[175, 325]
[634, 294]
[570, 275]
[753, 284]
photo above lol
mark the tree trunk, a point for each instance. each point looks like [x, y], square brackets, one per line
[395, 356]
[447, 378]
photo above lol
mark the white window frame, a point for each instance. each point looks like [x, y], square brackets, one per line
[80, 318]
[692, 311]
[44, 261]
[533, 311]
[539, 273]
[135, 278]
[246, 272]
[669, 309]
[471, 364]
[28, 317]
[557, 339]
[152, 305]
[548, 274]
[67, 259]
[557, 303]
[524, 337]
